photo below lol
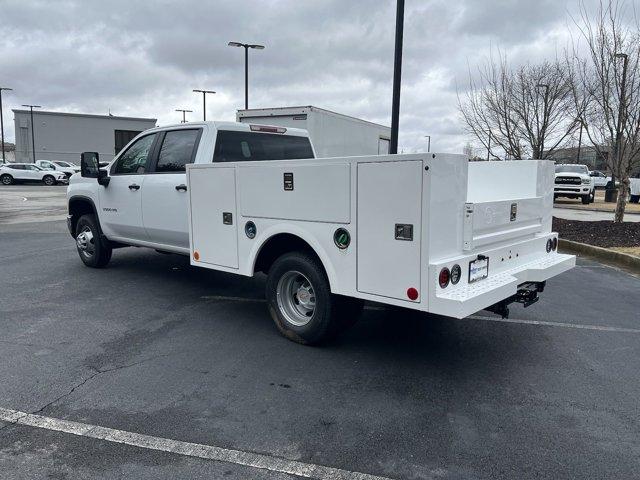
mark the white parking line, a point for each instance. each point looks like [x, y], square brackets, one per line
[197, 450]
[602, 328]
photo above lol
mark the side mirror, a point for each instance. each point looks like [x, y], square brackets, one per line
[90, 168]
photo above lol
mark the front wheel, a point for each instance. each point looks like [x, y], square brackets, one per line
[49, 181]
[300, 300]
[586, 199]
[93, 252]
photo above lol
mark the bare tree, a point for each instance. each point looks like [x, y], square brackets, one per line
[607, 88]
[524, 112]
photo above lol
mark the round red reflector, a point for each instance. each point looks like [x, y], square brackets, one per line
[412, 293]
[443, 278]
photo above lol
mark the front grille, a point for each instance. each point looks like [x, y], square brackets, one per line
[568, 180]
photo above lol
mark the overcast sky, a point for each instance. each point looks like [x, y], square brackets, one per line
[144, 60]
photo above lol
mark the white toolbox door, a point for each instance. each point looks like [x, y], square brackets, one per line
[213, 216]
[389, 197]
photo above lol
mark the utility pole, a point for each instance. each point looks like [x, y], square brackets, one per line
[397, 77]
[246, 47]
[541, 132]
[33, 130]
[580, 145]
[428, 137]
[2, 122]
[204, 102]
[184, 112]
[610, 193]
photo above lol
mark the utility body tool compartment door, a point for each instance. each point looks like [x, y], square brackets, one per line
[389, 208]
[214, 233]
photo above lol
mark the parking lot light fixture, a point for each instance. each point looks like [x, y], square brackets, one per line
[184, 112]
[2, 122]
[246, 47]
[204, 101]
[33, 130]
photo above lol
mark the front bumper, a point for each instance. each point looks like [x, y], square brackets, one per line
[577, 190]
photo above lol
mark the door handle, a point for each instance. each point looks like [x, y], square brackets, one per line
[182, 187]
[134, 186]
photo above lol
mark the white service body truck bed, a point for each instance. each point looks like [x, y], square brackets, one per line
[408, 218]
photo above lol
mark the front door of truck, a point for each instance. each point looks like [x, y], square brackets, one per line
[121, 201]
[165, 198]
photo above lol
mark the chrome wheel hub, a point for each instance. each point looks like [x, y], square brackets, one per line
[296, 298]
[85, 242]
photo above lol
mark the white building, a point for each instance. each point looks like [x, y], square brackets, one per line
[64, 136]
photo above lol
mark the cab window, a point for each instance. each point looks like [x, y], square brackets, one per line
[178, 149]
[134, 160]
[235, 146]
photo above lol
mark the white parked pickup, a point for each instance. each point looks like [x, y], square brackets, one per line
[430, 232]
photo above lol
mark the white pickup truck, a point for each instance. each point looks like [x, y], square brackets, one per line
[574, 181]
[430, 232]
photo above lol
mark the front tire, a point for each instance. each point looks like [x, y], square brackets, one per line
[6, 179]
[49, 181]
[300, 300]
[92, 250]
[586, 199]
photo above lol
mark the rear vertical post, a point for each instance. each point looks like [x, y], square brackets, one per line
[397, 78]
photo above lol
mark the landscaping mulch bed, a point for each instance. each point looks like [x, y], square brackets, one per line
[601, 234]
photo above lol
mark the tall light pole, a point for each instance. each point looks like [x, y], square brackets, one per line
[246, 47]
[544, 116]
[204, 101]
[33, 130]
[397, 77]
[184, 112]
[2, 122]
[428, 137]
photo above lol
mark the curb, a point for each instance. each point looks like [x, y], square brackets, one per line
[603, 254]
[601, 210]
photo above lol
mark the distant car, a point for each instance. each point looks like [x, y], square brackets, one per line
[574, 181]
[59, 166]
[600, 180]
[28, 172]
[634, 184]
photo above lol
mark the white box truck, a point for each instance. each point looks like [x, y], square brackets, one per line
[332, 134]
[429, 232]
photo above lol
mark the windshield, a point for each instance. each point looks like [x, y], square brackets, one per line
[63, 164]
[234, 146]
[571, 169]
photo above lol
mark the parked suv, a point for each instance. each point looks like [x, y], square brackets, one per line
[28, 172]
[59, 166]
[574, 181]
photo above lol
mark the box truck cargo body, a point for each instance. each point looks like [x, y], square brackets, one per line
[332, 134]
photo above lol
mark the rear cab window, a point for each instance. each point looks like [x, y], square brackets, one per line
[243, 146]
[178, 149]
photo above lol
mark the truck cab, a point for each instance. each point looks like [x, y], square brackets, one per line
[142, 196]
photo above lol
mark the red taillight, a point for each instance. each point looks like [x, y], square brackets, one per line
[444, 277]
[266, 128]
[412, 293]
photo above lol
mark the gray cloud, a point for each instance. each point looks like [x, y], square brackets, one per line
[143, 58]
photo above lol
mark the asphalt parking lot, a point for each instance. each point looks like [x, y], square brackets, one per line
[153, 347]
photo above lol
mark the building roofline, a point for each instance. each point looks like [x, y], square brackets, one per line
[86, 115]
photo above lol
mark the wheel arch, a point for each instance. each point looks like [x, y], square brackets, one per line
[79, 205]
[277, 241]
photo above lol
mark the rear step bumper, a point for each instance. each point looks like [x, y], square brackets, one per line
[505, 286]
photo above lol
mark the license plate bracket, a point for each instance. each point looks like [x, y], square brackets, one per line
[478, 268]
